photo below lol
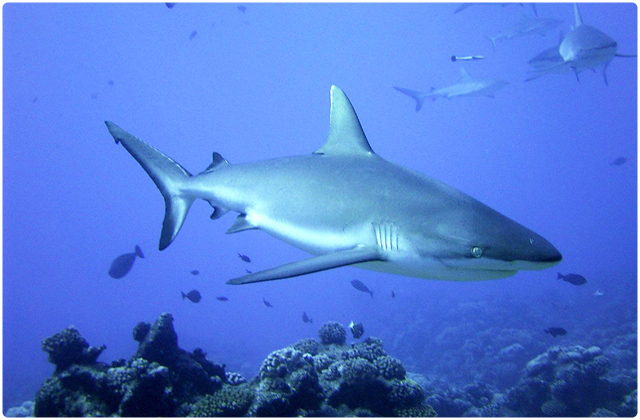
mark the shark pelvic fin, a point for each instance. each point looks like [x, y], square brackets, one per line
[241, 224]
[312, 265]
[345, 132]
[168, 176]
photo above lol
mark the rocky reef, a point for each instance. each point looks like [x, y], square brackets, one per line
[309, 378]
[570, 381]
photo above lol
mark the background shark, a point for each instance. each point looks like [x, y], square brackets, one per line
[584, 48]
[526, 26]
[349, 206]
[466, 86]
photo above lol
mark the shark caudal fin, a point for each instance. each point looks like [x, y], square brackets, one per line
[419, 97]
[168, 176]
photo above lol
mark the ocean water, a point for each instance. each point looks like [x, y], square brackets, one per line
[254, 84]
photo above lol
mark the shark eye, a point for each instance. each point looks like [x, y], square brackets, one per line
[476, 251]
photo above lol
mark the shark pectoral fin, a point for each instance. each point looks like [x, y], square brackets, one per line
[241, 224]
[312, 265]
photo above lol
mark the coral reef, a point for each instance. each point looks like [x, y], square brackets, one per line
[23, 410]
[68, 347]
[159, 380]
[569, 381]
[332, 333]
[307, 379]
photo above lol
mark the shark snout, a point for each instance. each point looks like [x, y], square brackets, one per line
[544, 252]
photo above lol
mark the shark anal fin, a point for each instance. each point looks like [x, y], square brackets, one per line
[218, 212]
[312, 265]
[241, 224]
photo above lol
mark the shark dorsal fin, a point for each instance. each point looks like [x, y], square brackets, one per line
[576, 11]
[345, 132]
[464, 74]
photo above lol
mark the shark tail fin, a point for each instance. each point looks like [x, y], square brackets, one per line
[168, 176]
[419, 97]
[493, 41]
[559, 276]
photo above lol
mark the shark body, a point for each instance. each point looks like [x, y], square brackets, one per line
[348, 206]
[526, 26]
[466, 86]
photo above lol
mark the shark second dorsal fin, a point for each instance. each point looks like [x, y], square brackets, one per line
[345, 132]
[464, 74]
[576, 11]
[216, 161]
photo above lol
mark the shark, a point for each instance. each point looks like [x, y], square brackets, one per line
[466, 86]
[583, 48]
[347, 206]
[526, 26]
[467, 5]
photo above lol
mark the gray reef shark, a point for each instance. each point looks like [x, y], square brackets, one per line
[585, 47]
[549, 58]
[466, 86]
[526, 26]
[348, 206]
[467, 5]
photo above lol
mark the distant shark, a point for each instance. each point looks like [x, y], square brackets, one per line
[585, 47]
[526, 26]
[467, 5]
[549, 58]
[466, 86]
[348, 206]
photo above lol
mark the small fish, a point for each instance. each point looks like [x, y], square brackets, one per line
[575, 279]
[121, 265]
[356, 329]
[248, 271]
[111, 83]
[598, 293]
[170, 5]
[193, 296]
[244, 258]
[94, 95]
[393, 295]
[243, 9]
[195, 272]
[222, 298]
[358, 285]
[619, 161]
[556, 331]
[306, 319]
[455, 58]
[193, 35]
[266, 303]
[34, 100]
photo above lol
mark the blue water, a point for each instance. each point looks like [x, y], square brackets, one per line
[255, 85]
